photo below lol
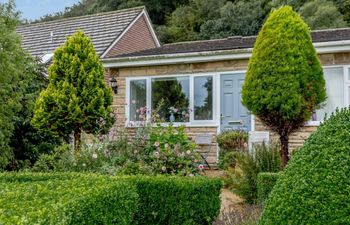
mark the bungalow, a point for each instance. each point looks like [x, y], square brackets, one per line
[196, 83]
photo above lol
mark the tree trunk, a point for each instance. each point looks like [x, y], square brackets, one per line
[284, 149]
[77, 140]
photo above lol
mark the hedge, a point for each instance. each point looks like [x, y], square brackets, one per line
[314, 188]
[72, 198]
[177, 200]
[265, 183]
[65, 199]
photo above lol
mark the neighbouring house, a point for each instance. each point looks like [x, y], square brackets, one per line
[198, 83]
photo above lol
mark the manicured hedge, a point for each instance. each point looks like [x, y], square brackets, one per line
[314, 188]
[72, 198]
[177, 200]
[65, 199]
[265, 183]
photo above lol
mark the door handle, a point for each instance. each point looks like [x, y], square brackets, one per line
[221, 118]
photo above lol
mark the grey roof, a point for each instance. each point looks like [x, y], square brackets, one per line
[102, 28]
[231, 43]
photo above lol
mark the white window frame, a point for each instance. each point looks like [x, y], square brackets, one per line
[346, 89]
[215, 122]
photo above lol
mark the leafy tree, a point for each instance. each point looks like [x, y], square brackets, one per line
[238, 18]
[77, 98]
[284, 82]
[185, 22]
[26, 142]
[321, 14]
[11, 65]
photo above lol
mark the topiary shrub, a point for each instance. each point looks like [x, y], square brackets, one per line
[284, 82]
[68, 198]
[177, 200]
[265, 183]
[315, 186]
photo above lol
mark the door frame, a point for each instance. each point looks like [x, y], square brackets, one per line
[220, 74]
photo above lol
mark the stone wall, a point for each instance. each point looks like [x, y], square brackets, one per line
[119, 102]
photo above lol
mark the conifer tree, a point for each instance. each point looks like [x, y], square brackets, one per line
[77, 98]
[284, 83]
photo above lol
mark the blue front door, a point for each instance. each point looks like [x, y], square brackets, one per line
[234, 116]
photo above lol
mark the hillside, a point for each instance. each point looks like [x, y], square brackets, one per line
[185, 20]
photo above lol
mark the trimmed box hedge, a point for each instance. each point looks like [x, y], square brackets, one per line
[177, 200]
[65, 199]
[72, 198]
[265, 183]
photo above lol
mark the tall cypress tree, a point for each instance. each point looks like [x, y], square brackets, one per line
[77, 98]
[284, 82]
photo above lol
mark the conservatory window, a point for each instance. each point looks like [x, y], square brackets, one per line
[138, 100]
[203, 98]
[334, 77]
[170, 99]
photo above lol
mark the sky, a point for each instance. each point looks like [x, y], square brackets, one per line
[34, 9]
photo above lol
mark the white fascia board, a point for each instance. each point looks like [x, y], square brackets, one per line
[174, 59]
[321, 48]
[150, 27]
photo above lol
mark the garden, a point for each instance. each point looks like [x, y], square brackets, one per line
[59, 167]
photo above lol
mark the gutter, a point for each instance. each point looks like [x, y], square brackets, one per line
[209, 56]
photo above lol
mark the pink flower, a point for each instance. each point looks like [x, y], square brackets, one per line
[201, 167]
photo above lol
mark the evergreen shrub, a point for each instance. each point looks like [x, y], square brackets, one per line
[177, 200]
[65, 199]
[265, 183]
[315, 186]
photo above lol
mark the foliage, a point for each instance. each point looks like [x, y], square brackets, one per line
[272, 71]
[26, 142]
[155, 150]
[267, 157]
[321, 14]
[188, 20]
[66, 199]
[169, 150]
[232, 140]
[314, 187]
[11, 67]
[265, 183]
[242, 179]
[177, 200]
[77, 98]
[239, 18]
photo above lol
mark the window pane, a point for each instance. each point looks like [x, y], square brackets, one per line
[138, 100]
[170, 98]
[335, 92]
[203, 98]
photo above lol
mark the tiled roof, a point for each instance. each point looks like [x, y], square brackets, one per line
[231, 43]
[102, 28]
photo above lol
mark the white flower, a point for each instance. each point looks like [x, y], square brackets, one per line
[166, 145]
[188, 152]
[94, 156]
[163, 168]
[84, 164]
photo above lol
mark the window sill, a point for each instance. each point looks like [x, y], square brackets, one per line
[202, 124]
